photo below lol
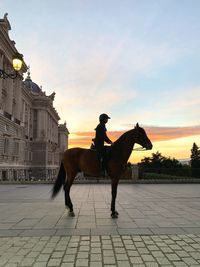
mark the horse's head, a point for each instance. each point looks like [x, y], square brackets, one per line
[141, 137]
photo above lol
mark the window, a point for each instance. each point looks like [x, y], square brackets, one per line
[34, 123]
[16, 148]
[6, 146]
[6, 128]
[30, 156]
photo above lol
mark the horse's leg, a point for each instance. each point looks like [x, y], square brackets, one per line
[68, 202]
[115, 182]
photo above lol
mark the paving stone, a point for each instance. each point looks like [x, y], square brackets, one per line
[151, 264]
[33, 254]
[95, 257]
[43, 257]
[81, 262]
[27, 262]
[121, 257]
[195, 255]
[84, 248]
[143, 250]
[57, 254]
[190, 261]
[82, 255]
[107, 247]
[188, 248]
[133, 253]
[54, 262]
[157, 254]
[71, 250]
[67, 264]
[179, 264]
[163, 261]
[173, 257]
[130, 247]
[39, 264]
[182, 253]
[69, 258]
[147, 257]
[152, 247]
[119, 250]
[109, 260]
[109, 253]
[16, 259]
[96, 250]
[96, 264]
[11, 265]
[123, 263]
[47, 250]
[136, 260]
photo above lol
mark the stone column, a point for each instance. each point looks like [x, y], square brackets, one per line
[17, 94]
[1, 83]
[135, 172]
[9, 98]
[41, 122]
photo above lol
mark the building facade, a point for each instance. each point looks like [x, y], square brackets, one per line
[31, 140]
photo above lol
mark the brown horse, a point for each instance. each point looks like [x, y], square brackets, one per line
[85, 160]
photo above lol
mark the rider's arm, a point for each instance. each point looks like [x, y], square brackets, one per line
[106, 139]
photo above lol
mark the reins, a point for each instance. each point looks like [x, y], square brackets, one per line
[140, 149]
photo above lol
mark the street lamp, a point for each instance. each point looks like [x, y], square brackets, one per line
[17, 64]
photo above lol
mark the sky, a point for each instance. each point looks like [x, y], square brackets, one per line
[137, 61]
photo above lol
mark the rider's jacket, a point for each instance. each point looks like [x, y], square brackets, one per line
[101, 136]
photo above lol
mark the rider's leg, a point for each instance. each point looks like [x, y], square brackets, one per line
[101, 160]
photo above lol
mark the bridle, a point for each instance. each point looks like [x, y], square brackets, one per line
[140, 149]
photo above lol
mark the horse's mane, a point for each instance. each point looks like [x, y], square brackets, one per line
[122, 138]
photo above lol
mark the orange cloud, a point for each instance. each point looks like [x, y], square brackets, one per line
[169, 133]
[155, 134]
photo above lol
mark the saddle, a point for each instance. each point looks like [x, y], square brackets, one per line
[107, 149]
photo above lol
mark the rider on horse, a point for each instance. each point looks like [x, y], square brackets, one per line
[99, 140]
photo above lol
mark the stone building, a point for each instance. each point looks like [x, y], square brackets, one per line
[31, 140]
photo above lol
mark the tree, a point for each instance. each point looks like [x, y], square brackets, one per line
[195, 156]
[157, 160]
[145, 162]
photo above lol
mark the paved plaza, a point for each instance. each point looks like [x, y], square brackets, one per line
[158, 225]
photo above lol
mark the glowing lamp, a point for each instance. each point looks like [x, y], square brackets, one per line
[17, 62]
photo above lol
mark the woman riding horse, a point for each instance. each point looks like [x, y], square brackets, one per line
[99, 140]
[85, 160]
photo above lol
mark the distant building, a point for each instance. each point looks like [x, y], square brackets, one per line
[31, 140]
[185, 161]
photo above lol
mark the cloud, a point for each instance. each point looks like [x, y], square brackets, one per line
[186, 98]
[179, 106]
[169, 133]
[156, 134]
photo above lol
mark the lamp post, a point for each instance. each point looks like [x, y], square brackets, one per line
[17, 64]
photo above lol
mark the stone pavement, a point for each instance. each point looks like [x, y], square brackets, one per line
[158, 225]
[96, 251]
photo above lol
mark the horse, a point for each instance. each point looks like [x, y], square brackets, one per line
[77, 160]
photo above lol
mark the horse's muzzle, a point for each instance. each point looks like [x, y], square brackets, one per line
[148, 146]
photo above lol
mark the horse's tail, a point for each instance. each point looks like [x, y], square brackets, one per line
[59, 181]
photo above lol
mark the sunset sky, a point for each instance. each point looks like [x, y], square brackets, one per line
[137, 61]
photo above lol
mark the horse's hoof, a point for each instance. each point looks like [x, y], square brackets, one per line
[71, 214]
[117, 213]
[114, 215]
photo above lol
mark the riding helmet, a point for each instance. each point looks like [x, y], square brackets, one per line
[103, 116]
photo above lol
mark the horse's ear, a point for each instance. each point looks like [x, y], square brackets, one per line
[137, 125]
